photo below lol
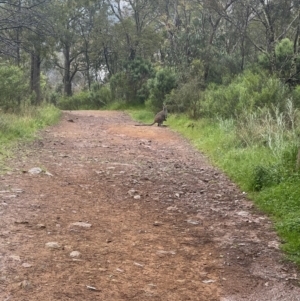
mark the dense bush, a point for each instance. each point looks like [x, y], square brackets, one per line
[246, 93]
[13, 88]
[130, 85]
[26, 122]
[98, 97]
[284, 51]
[187, 95]
[160, 86]
[186, 98]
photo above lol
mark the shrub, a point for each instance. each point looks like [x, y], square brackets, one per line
[13, 87]
[130, 85]
[296, 96]
[246, 93]
[186, 98]
[98, 97]
[160, 86]
[284, 52]
[187, 95]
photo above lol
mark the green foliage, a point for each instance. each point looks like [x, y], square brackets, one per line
[284, 58]
[13, 87]
[130, 85]
[264, 177]
[27, 122]
[187, 95]
[283, 204]
[186, 98]
[269, 127]
[296, 96]
[24, 126]
[118, 84]
[281, 169]
[160, 86]
[97, 98]
[245, 94]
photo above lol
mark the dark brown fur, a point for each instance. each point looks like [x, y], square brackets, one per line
[159, 118]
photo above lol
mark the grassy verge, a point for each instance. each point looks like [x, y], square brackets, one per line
[24, 126]
[279, 193]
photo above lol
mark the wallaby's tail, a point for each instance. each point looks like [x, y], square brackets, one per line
[145, 124]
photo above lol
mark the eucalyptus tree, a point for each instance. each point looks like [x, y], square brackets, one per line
[89, 24]
[24, 26]
[104, 44]
[68, 16]
[272, 20]
[17, 16]
[133, 21]
[176, 21]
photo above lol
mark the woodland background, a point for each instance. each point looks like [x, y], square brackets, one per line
[228, 71]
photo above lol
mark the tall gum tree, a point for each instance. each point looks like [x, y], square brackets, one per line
[68, 15]
[270, 26]
[135, 21]
[24, 29]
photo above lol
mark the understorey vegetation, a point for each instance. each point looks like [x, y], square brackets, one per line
[228, 71]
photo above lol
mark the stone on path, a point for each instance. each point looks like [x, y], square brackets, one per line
[53, 245]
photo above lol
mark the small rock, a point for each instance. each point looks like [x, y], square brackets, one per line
[82, 224]
[132, 192]
[172, 208]
[75, 254]
[243, 213]
[209, 281]
[21, 222]
[274, 244]
[18, 190]
[35, 170]
[15, 257]
[40, 226]
[26, 265]
[25, 284]
[193, 222]
[53, 245]
[92, 288]
[137, 197]
[162, 253]
[12, 196]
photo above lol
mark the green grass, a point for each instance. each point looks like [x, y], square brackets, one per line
[141, 115]
[24, 126]
[282, 203]
[269, 179]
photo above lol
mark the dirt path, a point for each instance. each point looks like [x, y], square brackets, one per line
[150, 218]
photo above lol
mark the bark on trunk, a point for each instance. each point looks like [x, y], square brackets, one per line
[35, 76]
[67, 72]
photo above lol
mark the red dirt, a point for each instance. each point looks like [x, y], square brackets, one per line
[164, 224]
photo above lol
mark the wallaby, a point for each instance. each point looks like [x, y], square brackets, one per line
[159, 118]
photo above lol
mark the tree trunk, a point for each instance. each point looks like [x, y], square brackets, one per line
[294, 71]
[35, 76]
[67, 72]
[270, 35]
